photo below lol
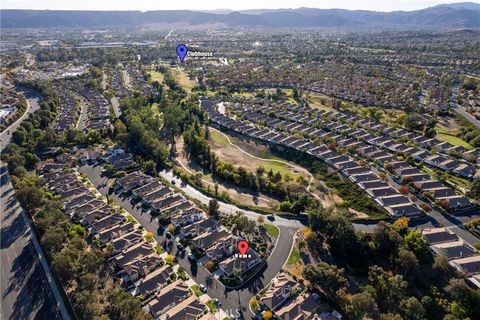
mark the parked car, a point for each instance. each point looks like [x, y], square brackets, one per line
[271, 217]
[180, 247]
[203, 288]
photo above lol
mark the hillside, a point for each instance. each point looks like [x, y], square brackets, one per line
[446, 16]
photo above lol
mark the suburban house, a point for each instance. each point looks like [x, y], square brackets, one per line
[153, 282]
[302, 307]
[280, 289]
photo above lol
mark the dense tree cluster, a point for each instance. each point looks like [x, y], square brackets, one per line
[151, 135]
[399, 277]
[32, 135]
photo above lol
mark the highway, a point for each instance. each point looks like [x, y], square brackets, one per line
[26, 283]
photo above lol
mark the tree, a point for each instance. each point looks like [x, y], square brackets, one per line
[389, 288]
[406, 263]
[171, 228]
[119, 127]
[173, 118]
[169, 259]
[30, 196]
[475, 189]
[458, 290]
[363, 306]
[338, 233]
[93, 136]
[149, 236]
[63, 267]
[401, 225]
[210, 265]
[267, 315]
[414, 242]
[254, 304]
[84, 306]
[52, 240]
[411, 308]
[285, 206]
[260, 171]
[441, 265]
[213, 208]
[326, 277]
[390, 316]
[19, 136]
[414, 122]
[386, 239]
[404, 190]
[260, 219]
[124, 306]
[150, 168]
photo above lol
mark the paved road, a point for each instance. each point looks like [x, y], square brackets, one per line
[458, 109]
[230, 299]
[25, 279]
[83, 118]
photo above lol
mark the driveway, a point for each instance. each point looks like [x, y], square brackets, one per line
[230, 300]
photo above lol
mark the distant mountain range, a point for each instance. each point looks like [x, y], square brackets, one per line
[445, 16]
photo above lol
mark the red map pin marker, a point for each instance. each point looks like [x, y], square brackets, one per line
[242, 246]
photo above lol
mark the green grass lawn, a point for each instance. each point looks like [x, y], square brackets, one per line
[271, 230]
[211, 305]
[463, 183]
[276, 166]
[243, 94]
[159, 249]
[131, 219]
[294, 256]
[196, 289]
[156, 76]
[456, 141]
[218, 138]
[183, 275]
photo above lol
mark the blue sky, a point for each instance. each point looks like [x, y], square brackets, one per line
[379, 5]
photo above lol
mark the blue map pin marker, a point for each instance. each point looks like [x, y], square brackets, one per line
[182, 51]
